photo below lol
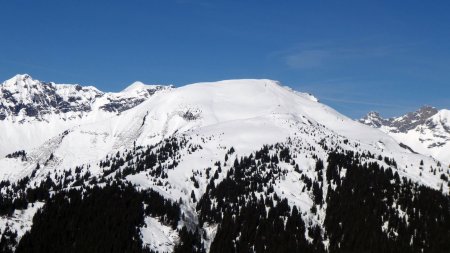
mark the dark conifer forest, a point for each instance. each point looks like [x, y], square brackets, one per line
[366, 210]
[370, 209]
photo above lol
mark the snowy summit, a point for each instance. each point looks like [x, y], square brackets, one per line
[204, 152]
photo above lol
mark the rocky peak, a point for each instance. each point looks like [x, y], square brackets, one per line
[400, 124]
[373, 119]
[23, 98]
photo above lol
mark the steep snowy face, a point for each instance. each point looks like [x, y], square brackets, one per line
[24, 99]
[426, 130]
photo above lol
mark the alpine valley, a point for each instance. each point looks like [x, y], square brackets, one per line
[228, 166]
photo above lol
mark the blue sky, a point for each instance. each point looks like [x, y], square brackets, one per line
[356, 56]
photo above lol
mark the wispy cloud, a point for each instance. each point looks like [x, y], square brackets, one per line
[356, 100]
[307, 59]
[329, 54]
[322, 57]
[360, 102]
[200, 3]
[355, 76]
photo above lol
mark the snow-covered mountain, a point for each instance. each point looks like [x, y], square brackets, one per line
[426, 131]
[32, 112]
[25, 99]
[206, 148]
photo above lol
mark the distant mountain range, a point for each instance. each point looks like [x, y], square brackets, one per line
[425, 131]
[25, 99]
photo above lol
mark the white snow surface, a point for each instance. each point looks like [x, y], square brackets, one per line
[157, 236]
[245, 114]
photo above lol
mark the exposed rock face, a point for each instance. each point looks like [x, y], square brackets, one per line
[401, 124]
[23, 98]
[426, 130]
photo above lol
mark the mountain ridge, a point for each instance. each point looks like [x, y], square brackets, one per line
[427, 130]
[245, 140]
[23, 98]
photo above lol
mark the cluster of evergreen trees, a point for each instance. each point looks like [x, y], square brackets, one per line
[372, 209]
[21, 153]
[103, 219]
[97, 219]
[248, 223]
[152, 159]
[17, 196]
[84, 204]
[8, 240]
[190, 242]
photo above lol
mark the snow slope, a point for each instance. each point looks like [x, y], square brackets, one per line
[243, 114]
